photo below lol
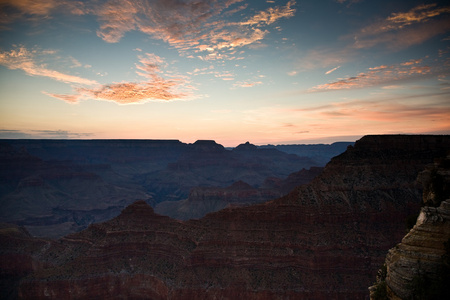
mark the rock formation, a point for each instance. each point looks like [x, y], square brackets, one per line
[54, 198]
[419, 267]
[55, 187]
[324, 240]
[204, 200]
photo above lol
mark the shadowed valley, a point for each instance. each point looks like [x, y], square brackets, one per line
[323, 240]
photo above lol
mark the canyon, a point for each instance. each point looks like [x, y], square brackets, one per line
[323, 240]
[57, 187]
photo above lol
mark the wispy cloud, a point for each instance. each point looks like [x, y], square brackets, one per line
[403, 29]
[72, 99]
[41, 134]
[379, 75]
[396, 31]
[246, 84]
[271, 15]
[36, 10]
[133, 93]
[388, 109]
[20, 58]
[189, 26]
[332, 70]
[156, 86]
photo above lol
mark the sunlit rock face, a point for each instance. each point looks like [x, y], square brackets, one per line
[419, 266]
[324, 240]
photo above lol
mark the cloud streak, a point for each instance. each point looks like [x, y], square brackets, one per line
[379, 75]
[154, 87]
[386, 110]
[23, 59]
[403, 29]
[150, 67]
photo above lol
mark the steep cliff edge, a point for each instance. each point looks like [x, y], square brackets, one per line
[419, 267]
[324, 240]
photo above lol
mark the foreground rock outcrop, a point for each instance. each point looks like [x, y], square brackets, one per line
[324, 240]
[419, 267]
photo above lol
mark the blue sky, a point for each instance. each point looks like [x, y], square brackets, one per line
[233, 71]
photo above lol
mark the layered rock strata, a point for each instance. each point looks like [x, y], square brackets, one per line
[420, 253]
[324, 240]
[204, 200]
[419, 267]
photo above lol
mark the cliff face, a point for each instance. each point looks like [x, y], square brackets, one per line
[324, 240]
[419, 267]
[418, 258]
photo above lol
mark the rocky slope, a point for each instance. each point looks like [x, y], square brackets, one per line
[324, 240]
[54, 198]
[204, 200]
[55, 187]
[208, 164]
[321, 153]
[419, 267]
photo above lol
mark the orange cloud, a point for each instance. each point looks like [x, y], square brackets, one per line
[378, 76]
[23, 59]
[385, 110]
[72, 99]
[188, 26]
[36, 10]
[405, 113]
[246, 84]
[332, 70]
[397, 30]
[155, 87]
[421, 13]
[132, 93]
[271, 15]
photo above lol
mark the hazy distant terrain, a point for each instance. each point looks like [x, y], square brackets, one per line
[54, 187]
[323, 240]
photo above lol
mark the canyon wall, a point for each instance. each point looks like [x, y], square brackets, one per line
[324, 240]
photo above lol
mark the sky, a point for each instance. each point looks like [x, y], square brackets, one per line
[264, 71]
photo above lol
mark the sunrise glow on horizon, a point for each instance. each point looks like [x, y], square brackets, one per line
[268, 72]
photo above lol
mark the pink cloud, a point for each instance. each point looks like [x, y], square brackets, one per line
[247, 84]
[421, 13]
[404, 29]
[36, 10]
[23, 59]
[271, 15]
[188, 26]
[150, 67]
[155, 87]
[133, 93]
[383, 110]
[332, 70]
[413, 113]
[378, 75]
[72, 99]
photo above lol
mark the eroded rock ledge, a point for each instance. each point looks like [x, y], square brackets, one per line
[418, 267]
